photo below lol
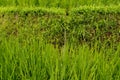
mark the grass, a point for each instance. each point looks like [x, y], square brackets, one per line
[57, 10]
[57, 3]
[35, 60]
[25, 53]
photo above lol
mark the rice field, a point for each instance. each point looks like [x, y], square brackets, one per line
[38, 61]
[58, 3]
[59, 40]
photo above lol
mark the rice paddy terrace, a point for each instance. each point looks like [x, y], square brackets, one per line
[59, 40]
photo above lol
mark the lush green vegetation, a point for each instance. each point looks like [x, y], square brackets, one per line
[34, 60]
[59, 44]
[76, 26]
[57, 3]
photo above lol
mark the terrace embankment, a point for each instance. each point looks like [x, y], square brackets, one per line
[86, 24]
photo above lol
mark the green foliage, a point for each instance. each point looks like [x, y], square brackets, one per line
[34, 60]
[60, 44]
[78, 26]
[58, 3]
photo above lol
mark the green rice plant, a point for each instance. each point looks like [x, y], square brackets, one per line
[58, 3]
[34, 59]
